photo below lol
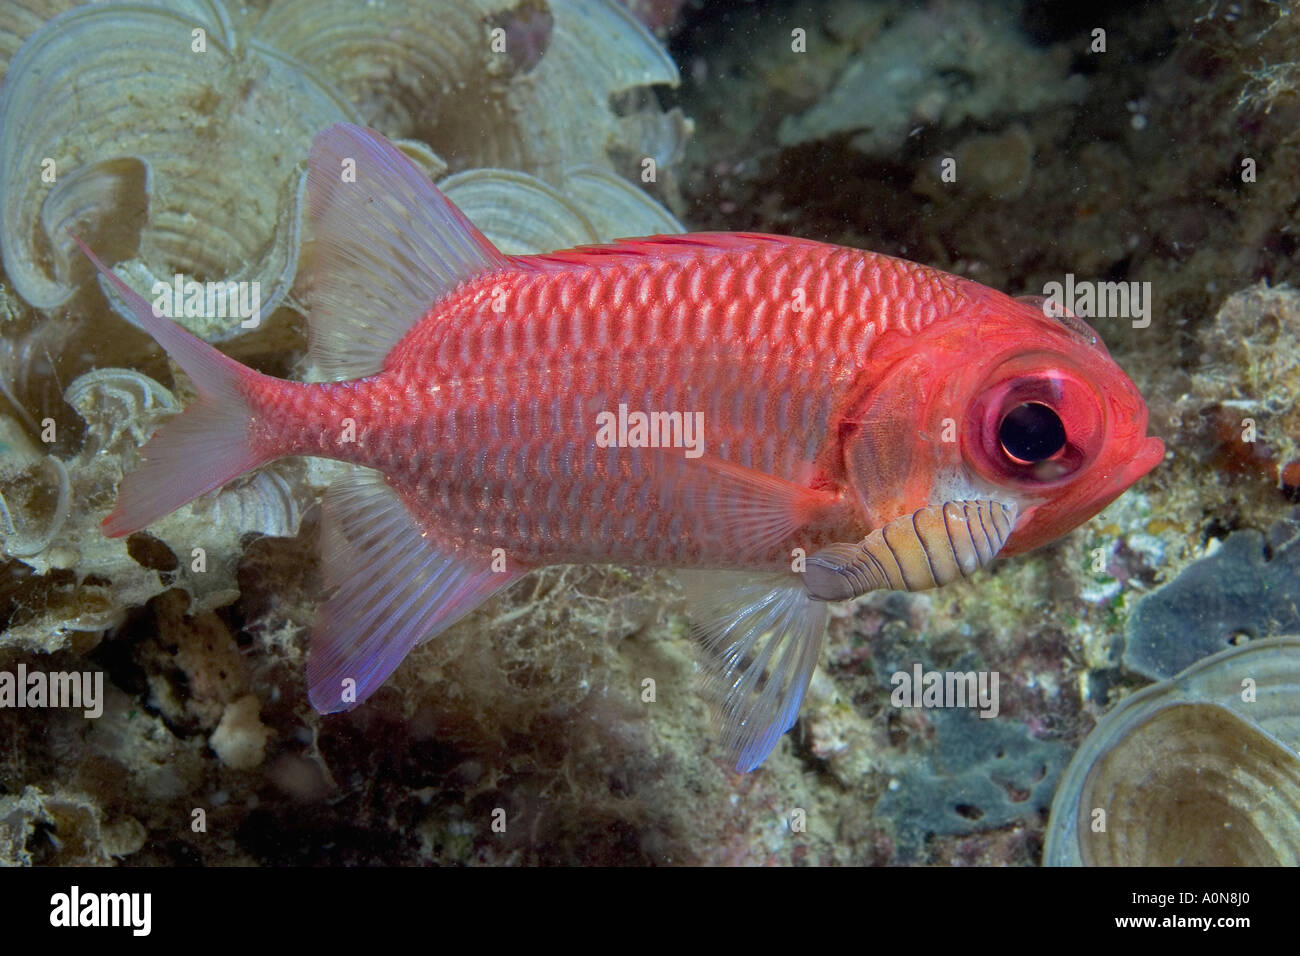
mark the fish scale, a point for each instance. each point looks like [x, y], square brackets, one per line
[453, 345]
[858, 429]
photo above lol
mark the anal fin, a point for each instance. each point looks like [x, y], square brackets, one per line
[395, 588]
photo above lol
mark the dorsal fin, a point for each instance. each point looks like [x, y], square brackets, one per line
[388, 246]
[684, 245]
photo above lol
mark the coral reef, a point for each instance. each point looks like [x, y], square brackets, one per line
[569, 703]
[257, 92]
[983, 775]
[894, 72]
[83, 838]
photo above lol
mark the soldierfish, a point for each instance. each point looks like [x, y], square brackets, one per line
[857, 422]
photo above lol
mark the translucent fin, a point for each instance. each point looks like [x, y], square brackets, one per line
[200, 449]
[762, 637]
[739, 510]
[388, 246]
[395, 589]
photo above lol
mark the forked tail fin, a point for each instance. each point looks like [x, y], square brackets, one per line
[202, 448]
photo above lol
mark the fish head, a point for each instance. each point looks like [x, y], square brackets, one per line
[1005, 402]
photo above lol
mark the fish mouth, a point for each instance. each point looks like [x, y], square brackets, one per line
[1027, 536]
[1149, 455]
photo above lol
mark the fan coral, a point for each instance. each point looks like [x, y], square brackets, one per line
[1197, 770]
[129, 162]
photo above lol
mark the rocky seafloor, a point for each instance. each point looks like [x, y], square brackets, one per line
[1172, 158]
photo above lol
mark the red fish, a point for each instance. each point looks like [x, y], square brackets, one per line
[817, 420]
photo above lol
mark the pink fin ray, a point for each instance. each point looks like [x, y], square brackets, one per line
[658, 247]
[737, 510]
[395, 589]
[389, 245]
[202, 448]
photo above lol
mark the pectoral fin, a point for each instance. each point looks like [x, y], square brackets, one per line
[926, 549]
[736, 510]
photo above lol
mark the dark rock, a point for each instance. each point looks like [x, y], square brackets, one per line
[1245, 590]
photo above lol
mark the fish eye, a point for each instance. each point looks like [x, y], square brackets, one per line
[1031, 432]
[1034, 424]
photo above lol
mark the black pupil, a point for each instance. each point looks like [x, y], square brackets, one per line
[1032, 432]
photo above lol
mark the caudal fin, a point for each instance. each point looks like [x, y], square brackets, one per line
[202, 448]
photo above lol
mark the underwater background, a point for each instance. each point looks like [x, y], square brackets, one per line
[1149, 661]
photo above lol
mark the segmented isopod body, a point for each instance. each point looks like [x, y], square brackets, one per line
[925, 549]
